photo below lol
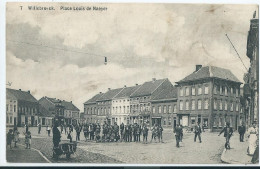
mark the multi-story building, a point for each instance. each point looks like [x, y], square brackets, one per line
[90, 108]
[140, 100]
[211, 96]
[71, 112]
[121, 105]
[164, 107]
[21, 108]
[104, 104]
[251, 78]
[45, 117]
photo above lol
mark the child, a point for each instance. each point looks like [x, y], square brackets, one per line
[9, 138]
[16, 137]
[48, 129]
[28, 138]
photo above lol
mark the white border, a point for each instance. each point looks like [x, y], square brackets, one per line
[3, 74]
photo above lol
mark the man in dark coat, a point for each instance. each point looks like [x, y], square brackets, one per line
[177, 132]
[127, 135]
[56, 135]
[130, 132]
[241, 131]
[197, 132]
[228, 131]
[122, 126]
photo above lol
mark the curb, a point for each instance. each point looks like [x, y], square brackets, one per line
[45, 158]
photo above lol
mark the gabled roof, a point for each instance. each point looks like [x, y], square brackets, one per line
[211, 72]
[109, 94]
[69, 105]
[54, 100]
[20, 95]
[45, 113]
[127, 91]
[147, 88]
[168, 93]
[94, 99]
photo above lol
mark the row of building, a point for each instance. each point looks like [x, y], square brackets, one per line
[210, 95]
[22, 108]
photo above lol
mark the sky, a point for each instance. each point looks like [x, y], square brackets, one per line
[60, 54]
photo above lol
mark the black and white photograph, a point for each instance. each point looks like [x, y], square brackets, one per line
[131, 83]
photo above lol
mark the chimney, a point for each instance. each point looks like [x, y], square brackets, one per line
[109, 88]
[154, 79]
[136, 84]
[198, 67]
[71, 101]
[100, 92]
[28, 91]
[125, 86]
[20, 89]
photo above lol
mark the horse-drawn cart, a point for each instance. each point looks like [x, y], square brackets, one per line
[65, 148]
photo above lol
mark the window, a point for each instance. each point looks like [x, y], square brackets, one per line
[220, 105]
[215, 89]
[181, 91]
[11, 107]
[192, 104]
[225, 105]
[181, 105]
[164, 109]
[7, 106]
[199, 91]
[187, 91]
[193, 91]
[160, 109]
[237, 106]
[169, 109]
[153, 109]
[206, 104]
[187, 105]
[221, 90]
[237, 92]
[226, 91]
[175, 108]
[169, 121]
[231, 106]
[199, 104]
[11, 119]
[206, 90]
[215, 104]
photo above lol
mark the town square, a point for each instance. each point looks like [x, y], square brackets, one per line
[132, 84]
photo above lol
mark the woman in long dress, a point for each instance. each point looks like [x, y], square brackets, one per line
[253, 134]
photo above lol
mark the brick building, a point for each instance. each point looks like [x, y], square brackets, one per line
[210, 95]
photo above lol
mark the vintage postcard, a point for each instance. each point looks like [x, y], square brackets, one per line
[132, 83]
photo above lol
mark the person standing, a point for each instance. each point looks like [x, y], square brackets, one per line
[9, 138]
[26, 127]
[160, 133]
[197, 132]
[77, 128]
[252, 141]
[97, 132]
[39, 128]
[177, 132]
[130, 132]
[145, 133]
[85, 131]
[16, 137]
[127, 137]
[241, 131]
[228, 131]
[48, 130]
[122, 126]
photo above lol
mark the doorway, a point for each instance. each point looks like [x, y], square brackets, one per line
[156, 121]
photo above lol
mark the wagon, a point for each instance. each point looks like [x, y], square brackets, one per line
[65, 148]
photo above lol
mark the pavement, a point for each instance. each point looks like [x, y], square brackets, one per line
[22, 155]
[238, 152]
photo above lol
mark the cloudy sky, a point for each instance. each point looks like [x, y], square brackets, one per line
[56, 53]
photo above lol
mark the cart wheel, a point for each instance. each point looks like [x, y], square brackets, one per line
[68, 156]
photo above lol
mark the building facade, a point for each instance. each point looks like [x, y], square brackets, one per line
[251, 78]
[133, 104]
[21, 108]
[210, 96]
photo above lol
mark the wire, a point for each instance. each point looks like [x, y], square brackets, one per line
[40, 45]
[236, 52]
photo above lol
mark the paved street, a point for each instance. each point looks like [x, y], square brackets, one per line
[207, 152]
